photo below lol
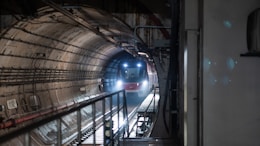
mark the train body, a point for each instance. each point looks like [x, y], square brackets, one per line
[133, 76]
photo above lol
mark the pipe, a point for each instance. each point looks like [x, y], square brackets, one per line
[13, 122]
[18, 76]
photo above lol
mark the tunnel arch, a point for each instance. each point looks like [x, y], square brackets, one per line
[55, 59]
[66, 51]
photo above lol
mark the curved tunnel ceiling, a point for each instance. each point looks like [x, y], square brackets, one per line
[65, 48]
[55, 41]
[57, 58]
[59, 55]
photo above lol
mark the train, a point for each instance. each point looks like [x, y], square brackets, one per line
[135, 76]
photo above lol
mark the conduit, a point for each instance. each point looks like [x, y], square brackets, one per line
[14, 122]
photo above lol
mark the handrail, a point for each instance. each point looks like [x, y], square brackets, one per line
[57, 116]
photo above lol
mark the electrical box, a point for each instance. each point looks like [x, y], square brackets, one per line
[82, 89]
[34, 102]
[11, 104]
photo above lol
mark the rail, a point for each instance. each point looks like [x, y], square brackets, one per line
[108, 111]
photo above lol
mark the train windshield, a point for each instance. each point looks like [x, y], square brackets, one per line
[133, 74]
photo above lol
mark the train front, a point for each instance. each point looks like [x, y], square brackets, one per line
[133, 77]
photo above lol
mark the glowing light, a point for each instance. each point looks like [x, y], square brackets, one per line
[139, 64]
[125, 65]
[231, 63]
[227, 24]
[212, 79]
[119, 83]
[145, 83]
[226, 80]
[207, 64]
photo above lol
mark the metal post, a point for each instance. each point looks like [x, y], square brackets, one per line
[118, 109]
[125, 113]
[79, 125]
[110, 119]
[173, 72]
[94, 122]
[104, 119]
[27, 139]
[59, 134]
[154, 101]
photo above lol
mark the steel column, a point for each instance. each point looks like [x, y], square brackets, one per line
[94, 122]
[59, 132]
[79, 124]
[27, 139]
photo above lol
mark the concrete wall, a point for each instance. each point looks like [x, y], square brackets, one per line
[231, 92]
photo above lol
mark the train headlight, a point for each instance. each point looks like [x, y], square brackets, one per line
[145, 83]
[139, 65]
[119, 83]
[125, 65]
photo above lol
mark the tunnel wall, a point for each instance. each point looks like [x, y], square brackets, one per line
[49, 60]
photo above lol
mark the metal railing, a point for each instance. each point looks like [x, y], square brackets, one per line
[111, 104]
[146, 115]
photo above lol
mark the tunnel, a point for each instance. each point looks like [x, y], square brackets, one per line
[55, 53]
[59, 64]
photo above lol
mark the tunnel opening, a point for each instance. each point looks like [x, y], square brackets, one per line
[66, 54]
